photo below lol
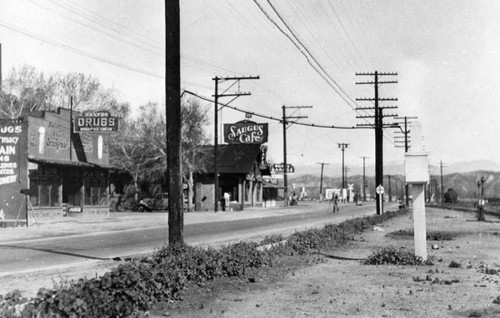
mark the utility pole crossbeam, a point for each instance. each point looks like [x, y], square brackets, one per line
[321, 180]
[217, 80]
[378, 124]
[285, 123]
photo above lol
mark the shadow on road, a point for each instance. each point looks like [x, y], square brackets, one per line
[46, 250]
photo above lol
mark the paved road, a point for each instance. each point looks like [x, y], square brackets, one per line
[30, 255]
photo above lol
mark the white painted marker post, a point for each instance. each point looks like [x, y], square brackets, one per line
[417, 174]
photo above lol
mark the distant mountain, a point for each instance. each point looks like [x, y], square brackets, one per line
[395, 168]
[465, 184]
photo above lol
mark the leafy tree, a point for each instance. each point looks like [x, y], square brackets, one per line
[140, 148]
[26, 89]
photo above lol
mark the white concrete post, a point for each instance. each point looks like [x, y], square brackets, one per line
[417, 174]
[419, 226]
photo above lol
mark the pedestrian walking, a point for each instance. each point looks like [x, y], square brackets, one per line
[335, 203]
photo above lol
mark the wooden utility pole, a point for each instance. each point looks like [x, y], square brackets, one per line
[442, 184]
[343, 147]
[173, 114]
[285, 126]
[321, 179]
[234, 79]
[364, 178]
[378, 125]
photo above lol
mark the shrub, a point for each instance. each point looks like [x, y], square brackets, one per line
[135, 286]
[392, 256]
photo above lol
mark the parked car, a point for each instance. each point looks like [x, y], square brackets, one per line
[158, 203]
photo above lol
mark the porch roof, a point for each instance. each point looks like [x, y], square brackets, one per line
[231, 158]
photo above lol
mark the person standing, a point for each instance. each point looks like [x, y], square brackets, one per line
[335, 203]
[227, 197]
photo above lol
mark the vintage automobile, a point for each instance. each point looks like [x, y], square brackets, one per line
[158, 203]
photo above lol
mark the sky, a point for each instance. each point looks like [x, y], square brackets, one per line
[446, 55]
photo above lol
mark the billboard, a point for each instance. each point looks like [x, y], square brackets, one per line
[246, 132]
[99, 121]
[13, 168]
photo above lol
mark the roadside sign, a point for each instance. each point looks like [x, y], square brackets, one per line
[380, 189]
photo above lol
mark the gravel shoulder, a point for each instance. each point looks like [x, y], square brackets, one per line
[321, 286]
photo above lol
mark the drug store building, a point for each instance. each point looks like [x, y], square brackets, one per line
[47, 170]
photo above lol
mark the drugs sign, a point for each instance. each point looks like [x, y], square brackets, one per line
[98, 121]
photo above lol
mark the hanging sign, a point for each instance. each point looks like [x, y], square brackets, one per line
[98, 121]
[280, 168]
[245, 132]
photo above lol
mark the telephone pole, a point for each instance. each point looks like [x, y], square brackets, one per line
[390, 191]
[234, 80]
[285, 124]
[364, 178]
[378, 124]
[173, 120]
[406, 135]
[442, 184]
[321, 179]
[342, 147]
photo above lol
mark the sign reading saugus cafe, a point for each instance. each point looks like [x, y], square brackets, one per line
[245, 132]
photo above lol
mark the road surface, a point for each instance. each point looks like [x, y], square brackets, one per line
[39, 254]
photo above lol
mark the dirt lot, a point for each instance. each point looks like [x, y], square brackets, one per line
[336, 287]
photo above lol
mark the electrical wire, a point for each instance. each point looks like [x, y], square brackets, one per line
[78, 51]
[273, 118]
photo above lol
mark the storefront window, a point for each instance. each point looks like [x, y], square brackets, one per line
[34, 193]
[88, 195]
[102, 194]
[54, 193]
[44, 192]
[95, 195]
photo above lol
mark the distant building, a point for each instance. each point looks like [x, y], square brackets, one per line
[46, 170]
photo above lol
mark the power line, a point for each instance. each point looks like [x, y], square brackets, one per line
[78, 51]
[107, 23]
[273, 118]
[101, 30]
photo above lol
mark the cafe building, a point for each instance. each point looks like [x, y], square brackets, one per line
[51, 167]
[241, 164]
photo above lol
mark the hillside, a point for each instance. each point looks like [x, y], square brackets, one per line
[465, 184]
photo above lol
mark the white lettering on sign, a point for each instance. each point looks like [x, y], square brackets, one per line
[245, 133]
[11, 129]
[9, 153]
[7, 150]
[57, 143]
[9, 140]
[8, 179]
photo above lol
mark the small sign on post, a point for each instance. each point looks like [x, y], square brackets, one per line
[380, 192]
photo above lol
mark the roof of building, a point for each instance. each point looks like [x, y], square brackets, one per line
[231, 158]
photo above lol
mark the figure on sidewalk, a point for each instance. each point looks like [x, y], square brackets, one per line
[227, 197]
[335, 203]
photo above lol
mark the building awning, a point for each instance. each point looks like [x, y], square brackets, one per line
[68, 163]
